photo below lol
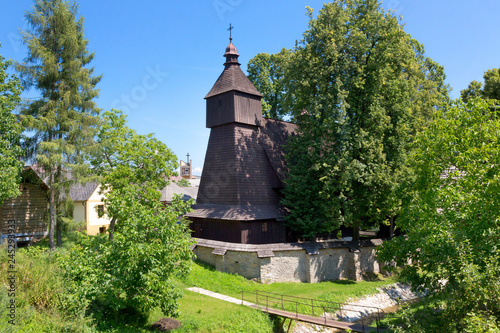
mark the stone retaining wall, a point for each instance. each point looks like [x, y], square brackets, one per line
[291, 262]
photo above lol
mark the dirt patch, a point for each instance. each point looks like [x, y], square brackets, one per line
[166, 325]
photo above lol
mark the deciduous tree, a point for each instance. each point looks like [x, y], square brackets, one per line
[362, 88]
[491, 89]
[133, 270]
[450, 217]
[127, 161]
[267, 73]
[63, 117]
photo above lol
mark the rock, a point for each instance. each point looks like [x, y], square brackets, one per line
[166, 325]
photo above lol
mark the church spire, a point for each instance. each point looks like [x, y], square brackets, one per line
[231, 52]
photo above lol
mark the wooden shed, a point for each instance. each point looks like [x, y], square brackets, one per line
[26, 215]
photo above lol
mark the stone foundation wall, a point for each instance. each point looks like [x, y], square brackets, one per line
[295, 262]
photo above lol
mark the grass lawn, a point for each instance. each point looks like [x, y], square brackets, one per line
[207, 277]
[201, 313]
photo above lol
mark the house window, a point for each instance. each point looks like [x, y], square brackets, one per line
[264, 227]
[186, 171]
[102, 230]
[100, 210]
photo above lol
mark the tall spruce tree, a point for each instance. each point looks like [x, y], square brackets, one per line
[10, 132]
[362, 88]
[64, 116]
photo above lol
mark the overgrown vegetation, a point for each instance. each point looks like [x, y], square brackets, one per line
[368, 91]
[451, 218]
[46, 302]
[183, 182]
[42, 299]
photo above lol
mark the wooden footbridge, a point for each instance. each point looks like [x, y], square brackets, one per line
[306, 310]
[313, 311]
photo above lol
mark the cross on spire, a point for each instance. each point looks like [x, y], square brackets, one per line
[230, 31]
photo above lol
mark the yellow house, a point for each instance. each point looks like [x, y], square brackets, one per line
[89, 207]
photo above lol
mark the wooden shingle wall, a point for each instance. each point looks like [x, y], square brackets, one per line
[236, 169]
[233, 106]
[28, 211]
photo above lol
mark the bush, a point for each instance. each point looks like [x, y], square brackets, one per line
[132, 274]
[42, 300]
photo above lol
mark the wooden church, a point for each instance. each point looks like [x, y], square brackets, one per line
[240, 188]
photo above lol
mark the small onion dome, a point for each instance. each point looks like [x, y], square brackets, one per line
[231, 54]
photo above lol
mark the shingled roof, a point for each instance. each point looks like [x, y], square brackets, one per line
[237, 212]
[244, 169]
[274, 135]
[232, 78]
[82, 192]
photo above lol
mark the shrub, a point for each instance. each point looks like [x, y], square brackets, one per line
[43, 302]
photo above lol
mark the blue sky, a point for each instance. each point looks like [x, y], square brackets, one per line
[159, 58]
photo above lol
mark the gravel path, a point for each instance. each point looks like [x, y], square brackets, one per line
[219, 296]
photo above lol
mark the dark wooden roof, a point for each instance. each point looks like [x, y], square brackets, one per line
[274, 135]
[233, 78]
[244, 168]
[237, 212]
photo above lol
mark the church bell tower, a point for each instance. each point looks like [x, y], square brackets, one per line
[233, 98]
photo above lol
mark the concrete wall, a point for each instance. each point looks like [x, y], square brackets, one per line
[290, 262]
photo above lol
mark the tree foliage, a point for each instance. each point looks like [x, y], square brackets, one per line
[132, 271]
[362, 88]
[491, 89]
[63, 117]
[183, 182]
[267, 73]
[450, 216]
[128, 162]
[10, 133]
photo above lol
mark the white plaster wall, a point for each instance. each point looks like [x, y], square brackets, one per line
[79, 211]
[92, 216]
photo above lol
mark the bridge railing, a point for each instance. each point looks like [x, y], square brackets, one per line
[316, 308]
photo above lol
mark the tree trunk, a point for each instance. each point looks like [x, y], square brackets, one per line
[52, 212]
[112, 228]
[391, 233]
[58, 233]
[355, 233]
